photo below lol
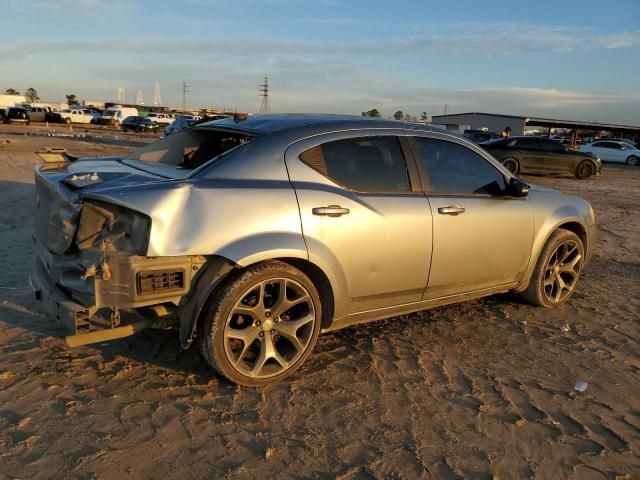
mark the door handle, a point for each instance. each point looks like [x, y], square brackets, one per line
[330, 211]
[451, 210]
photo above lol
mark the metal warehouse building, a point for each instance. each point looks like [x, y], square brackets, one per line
[495, 122]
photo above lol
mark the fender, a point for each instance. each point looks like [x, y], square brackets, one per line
[544, 232]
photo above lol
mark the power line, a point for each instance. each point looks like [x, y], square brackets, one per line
[264, 93]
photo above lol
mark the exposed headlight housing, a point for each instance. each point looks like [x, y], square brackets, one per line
[112, 229]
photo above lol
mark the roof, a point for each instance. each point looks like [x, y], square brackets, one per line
[269, 123]
[551, 122]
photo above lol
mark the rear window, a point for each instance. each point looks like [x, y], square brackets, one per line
[189, 149]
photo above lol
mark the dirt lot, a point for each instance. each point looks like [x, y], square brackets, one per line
[478, 390]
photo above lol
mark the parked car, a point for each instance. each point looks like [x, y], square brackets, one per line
[38, 114]
[77, 116]
[161, 118]
[617, 151]
[180, 123]
[17, 115]
[540, 155]
[117, 115]
[253, 236]
[139, 124]
[480, 136]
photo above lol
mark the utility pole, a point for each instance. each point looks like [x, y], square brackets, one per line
[264, 93]
[184, 96]
[446, 108]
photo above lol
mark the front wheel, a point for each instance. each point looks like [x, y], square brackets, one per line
[632, 161]
[557, 271]
[261, 324]
[585, 169]
[511, 164]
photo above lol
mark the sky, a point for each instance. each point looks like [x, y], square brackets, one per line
[561, 59]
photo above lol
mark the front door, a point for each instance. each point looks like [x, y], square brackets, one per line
[482, 238]
[362, 217]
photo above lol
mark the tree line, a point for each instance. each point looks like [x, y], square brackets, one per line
[32, 96]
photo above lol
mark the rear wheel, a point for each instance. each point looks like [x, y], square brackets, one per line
[557, 271]
[261, 324]
[511, 164]
[585, 169]
[632, 161]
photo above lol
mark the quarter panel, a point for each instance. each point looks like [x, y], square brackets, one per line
[236, 219]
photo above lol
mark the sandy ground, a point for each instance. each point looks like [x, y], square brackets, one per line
[478, 390]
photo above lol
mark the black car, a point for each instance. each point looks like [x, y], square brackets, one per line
[18, 115]
[139, 124]
[541, 155]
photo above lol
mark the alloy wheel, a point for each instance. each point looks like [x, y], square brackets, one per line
[562, 271]
[586, 169]
[511, 165]
[269, 328]
[632, 161]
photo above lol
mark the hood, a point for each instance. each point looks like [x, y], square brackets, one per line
[60, 188]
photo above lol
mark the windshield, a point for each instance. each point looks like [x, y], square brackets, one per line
[109, 113]
[189, 149]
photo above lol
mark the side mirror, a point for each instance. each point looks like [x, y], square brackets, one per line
[517, 188]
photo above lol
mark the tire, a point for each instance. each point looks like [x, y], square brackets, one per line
[632, 161]
[511, 164]
[255, 343]
[585, 169]
[558, 270]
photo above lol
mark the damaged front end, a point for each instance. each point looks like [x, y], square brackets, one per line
[92, 273]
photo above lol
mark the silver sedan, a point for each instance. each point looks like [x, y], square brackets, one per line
[255, 234]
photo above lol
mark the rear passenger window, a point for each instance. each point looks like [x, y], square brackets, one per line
[452, 168]
[365, 164]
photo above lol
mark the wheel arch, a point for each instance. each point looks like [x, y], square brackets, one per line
[571, 224]
[322, 283]
[218, 269]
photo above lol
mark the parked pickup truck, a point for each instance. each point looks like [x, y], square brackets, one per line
[161, 118]
[77, 116]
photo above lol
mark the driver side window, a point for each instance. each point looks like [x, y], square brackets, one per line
[451, 168]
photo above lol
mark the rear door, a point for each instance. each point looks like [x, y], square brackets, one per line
[555, 160]
[530, 154]
[364, 215]
[482, 238]
[607, 151]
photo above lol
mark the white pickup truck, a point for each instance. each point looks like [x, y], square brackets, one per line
[77, 116]
[161, 118]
